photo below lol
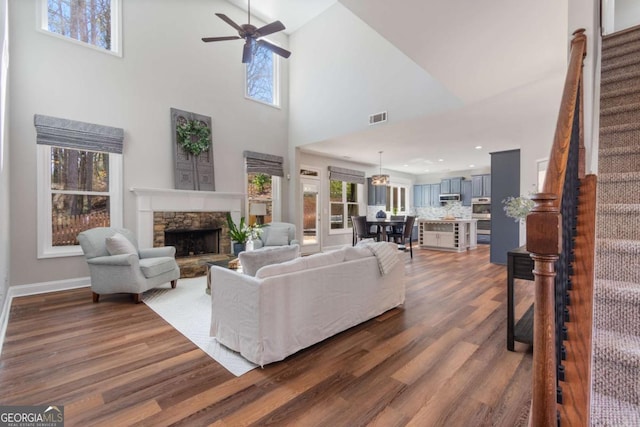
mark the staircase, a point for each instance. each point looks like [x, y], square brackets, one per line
[616, 322]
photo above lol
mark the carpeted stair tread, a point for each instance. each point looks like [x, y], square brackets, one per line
[621, 298]
[614, 77]
[623, 188]
[617, 259]
[621, 62]
[629, 35]
[622, 49]
[620, 109]
[627, 127]
[609, 411]
[618, 221]
[620, 177]
[619, 159]
[619, 209]
[624, 112]
[617, 365]
[620, 94]
[620, 135]
[620, 245]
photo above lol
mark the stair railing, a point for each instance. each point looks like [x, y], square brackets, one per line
[550, 232]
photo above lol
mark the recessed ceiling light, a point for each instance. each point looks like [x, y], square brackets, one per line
[426, 170]
[472, 166]
[478, 147]
[441, 160]
[406, 166]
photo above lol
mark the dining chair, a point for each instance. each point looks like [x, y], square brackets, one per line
[360, 229]
[396, 230]
[407, 230]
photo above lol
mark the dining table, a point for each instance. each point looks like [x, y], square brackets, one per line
[383, 224]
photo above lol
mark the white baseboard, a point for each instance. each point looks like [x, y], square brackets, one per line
[33, 289]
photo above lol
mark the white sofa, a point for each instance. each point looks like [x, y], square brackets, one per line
[289, 306]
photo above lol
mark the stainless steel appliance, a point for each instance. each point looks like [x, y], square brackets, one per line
[481, 210]
[446, 198]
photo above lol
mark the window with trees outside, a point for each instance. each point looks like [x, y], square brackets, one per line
[397, 199]
[260, 192]
[93, 23]
[344, 198]
[78, 190]
[262, 77]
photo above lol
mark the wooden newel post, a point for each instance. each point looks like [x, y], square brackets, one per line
[544, 242]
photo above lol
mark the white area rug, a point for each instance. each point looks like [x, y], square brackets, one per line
[188, 309]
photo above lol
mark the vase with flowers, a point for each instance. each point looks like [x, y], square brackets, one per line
[518, 207]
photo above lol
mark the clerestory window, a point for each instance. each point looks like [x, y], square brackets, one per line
[93, 23]
[263, 76]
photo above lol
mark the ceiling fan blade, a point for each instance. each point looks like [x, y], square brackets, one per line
[229, 21]
[275, 49]
[274, 27]
[219, 39]
[247, 51]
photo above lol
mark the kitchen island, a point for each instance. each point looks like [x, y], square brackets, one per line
[456, 234]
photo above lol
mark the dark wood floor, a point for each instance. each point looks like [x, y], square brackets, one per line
[439, 360]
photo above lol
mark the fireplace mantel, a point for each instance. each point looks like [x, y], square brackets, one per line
[149, 200]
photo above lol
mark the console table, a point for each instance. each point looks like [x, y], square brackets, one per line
[519, 266]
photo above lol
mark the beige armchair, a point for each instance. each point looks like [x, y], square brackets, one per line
[276, 234]
[117, 265]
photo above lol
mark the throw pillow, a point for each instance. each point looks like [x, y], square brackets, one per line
[277, 236]
[119, 245]
[298, 264]
[252, 261]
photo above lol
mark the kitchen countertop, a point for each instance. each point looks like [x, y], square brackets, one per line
[447, 220]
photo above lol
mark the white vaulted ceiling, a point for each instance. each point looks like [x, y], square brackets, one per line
[502, 60]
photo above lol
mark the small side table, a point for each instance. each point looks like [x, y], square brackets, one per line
[233, 264]
[519, 266]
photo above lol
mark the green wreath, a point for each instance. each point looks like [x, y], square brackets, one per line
[193, 136]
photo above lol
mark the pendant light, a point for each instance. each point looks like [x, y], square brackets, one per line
[380, 179]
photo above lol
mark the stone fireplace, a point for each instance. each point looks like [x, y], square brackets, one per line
[192, 221]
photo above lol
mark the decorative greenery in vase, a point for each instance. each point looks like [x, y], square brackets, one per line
[193, 136]
[242, 232]
[518, 207]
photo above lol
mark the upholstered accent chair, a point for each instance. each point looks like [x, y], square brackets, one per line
[117, 265]
[276, 234]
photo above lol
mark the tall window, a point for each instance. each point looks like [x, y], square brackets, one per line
[397, 199]
[260, 196]
[264, 173]
[91, 22]
[79, 182]
[262, 76]
[344, 198]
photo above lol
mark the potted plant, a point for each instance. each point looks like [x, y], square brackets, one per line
[239, 234]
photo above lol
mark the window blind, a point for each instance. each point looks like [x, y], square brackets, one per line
[78, 135]
[347, 175]
[264, 163]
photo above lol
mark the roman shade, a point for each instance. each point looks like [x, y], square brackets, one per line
[346, 175]
[78, 135]
[264, 163]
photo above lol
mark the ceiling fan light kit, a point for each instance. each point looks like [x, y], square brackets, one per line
[380, 179]
[252, 36]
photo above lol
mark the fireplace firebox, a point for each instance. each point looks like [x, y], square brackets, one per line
[189, 242]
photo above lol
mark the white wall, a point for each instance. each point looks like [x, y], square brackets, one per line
[4, 154]
[343, 71]
[165, 64]
[627, 14]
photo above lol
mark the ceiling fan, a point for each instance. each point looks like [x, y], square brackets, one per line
[251, 36]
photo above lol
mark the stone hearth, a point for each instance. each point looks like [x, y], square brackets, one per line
[182, 209]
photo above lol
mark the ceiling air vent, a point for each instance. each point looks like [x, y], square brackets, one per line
[374, 119]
